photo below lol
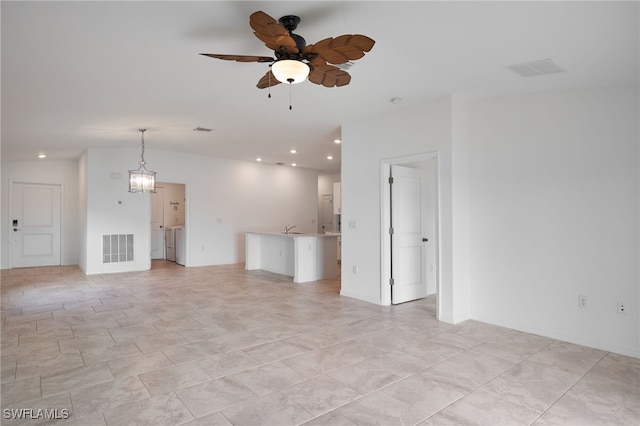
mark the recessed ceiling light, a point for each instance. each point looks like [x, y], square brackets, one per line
[329, 157]
[293, 151]
[42, 156]
[337, 141]
[258, 159]
[293, 164]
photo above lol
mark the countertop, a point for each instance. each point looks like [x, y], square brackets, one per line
[290, 234]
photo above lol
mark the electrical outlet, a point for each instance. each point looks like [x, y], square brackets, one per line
[621, 308]
[582, 302]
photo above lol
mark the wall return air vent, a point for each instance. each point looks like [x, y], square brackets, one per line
[117, 248]
[536, 68]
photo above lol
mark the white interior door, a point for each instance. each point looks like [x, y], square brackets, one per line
[408, 270]
[327, 212]
[35, 225]
[157, 224]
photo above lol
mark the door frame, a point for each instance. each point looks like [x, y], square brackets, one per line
[385, 223]
[187, 209]
[10, 212]
[161, 227]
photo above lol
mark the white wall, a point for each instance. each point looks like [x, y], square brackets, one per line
[224, 198]
[367, 143]
[555, 211]
[64, 173]
[539, 202]
[174, 203]
[111, 209]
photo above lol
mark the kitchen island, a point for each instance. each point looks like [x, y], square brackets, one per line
[305, 257]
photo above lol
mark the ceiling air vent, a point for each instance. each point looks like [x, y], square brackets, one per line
[535, 68]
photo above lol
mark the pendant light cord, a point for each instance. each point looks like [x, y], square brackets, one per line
[142, 153]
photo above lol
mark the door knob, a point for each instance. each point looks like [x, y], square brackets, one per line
[424, 240]
[15, 229]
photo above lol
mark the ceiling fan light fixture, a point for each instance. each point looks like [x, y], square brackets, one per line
[290, 71]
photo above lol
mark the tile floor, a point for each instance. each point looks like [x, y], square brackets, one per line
[223, 346]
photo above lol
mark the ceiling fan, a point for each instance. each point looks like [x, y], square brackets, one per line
[295, 60]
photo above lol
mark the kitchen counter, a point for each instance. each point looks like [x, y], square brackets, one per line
[305, 257]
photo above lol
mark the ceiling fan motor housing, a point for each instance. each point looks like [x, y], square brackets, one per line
[290, 22]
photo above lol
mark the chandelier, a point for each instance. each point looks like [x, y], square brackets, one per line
[142, 180]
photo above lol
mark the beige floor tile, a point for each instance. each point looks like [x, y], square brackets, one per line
[274, 351]
[483, 408]
[104, 396]
[268, 378]
[225, 364]
[215, 395]
[426, 394]
[55, 409]
[20, 390]
[98, 354]
[378, 371]
[320, 394]
[215, 419]
[174, 377]
[468, 370]
[143, 363]
[159, 342]
[323, 360]
[8, 366]
[164, 409]
[192, 351]
[222, 345]
[581, 408]
[332, 418]
[273, 409]
[45, 362]
[75, 378]
[380, 409]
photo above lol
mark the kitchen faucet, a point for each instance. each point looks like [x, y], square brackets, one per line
[288, 228]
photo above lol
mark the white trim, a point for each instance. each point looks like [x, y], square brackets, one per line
[9, 246]
[385, 223]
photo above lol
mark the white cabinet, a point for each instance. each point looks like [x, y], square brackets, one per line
[337, 198]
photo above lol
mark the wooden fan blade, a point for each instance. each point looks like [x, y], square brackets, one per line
[240, 58]
[341, 49]
[328, 75]
[274, 35]
[268, 80]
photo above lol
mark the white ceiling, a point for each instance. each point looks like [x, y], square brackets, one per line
[78, 75]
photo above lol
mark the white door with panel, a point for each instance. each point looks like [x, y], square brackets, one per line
[157, 224]
[35, 225]
[408, 272]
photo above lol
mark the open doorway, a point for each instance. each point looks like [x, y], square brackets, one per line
[409, 233]
[168, 223]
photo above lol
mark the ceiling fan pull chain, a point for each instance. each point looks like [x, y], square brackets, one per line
[290, 89]
[269, 74]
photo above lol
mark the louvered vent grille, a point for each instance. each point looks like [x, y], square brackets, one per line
[117, 248]
[536, 68]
